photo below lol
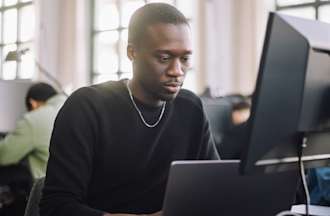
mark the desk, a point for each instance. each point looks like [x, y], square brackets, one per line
[313, 210]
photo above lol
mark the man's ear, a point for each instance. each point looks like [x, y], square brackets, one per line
[33, 103]
[131, 52]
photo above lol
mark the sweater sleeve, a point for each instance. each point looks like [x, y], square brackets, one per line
[71, 158]
[17, 144]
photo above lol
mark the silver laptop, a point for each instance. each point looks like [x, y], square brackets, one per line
[211, 188]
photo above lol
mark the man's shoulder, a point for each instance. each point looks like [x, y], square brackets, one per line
[32, 119]
[42, 114]
[187, 97]
[109, 86]
[100, 89]
[96, 96]
[57, 100]
[97, 91]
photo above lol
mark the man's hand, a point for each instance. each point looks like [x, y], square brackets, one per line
[160, 213]
[120, 214]
[153, 214]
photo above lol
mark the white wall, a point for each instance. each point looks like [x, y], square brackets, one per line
[234, 41]
[62, 35]
[229, 42]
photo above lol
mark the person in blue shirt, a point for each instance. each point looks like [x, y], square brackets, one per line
[319, 186]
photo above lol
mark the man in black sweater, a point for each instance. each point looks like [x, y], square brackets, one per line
[113, 143]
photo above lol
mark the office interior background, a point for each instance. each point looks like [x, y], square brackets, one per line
[82, 42]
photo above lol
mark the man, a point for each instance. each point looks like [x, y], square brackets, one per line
[236, 132]
[113, 143]
[30, 139]
[24, 151]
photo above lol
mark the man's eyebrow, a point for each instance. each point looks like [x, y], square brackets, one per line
[173, 52]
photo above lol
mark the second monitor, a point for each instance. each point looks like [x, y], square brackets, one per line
[290, 108]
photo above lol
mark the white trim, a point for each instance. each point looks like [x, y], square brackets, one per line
[291, 159]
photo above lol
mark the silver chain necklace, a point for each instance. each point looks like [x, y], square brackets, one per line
[140, 113]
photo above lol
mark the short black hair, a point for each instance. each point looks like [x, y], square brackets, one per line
[152, 13]
[238, 101]
[40, 92]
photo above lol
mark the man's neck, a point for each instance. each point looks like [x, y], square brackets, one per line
[141, 94]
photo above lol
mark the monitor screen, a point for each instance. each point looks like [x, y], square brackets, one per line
[12, 96]
[289, 106]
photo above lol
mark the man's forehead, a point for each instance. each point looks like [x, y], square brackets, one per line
[163, 36]
[156, 28]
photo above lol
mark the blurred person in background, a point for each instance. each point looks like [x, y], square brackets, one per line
[24, 151]
[235, 136]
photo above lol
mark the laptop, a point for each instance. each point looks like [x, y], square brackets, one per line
[211, 188]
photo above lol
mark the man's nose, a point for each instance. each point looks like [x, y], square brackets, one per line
[175, 68]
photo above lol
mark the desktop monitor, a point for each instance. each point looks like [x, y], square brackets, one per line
[290, 106]
[12, 96]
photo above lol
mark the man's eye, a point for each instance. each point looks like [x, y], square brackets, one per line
[164, 58]
[185, 59]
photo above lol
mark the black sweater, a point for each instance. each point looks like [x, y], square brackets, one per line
[104, 159]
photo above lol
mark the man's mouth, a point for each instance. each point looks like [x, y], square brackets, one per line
[172, 87]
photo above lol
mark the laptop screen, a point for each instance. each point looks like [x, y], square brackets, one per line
[212, 188]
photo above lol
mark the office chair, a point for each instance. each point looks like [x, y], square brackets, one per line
[218, 112]
[32, 207]
[15, 185]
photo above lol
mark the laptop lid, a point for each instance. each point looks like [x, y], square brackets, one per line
[209, 188]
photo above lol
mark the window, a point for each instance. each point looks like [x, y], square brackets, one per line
[311, 9]
[111, 18]
[17, 19]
